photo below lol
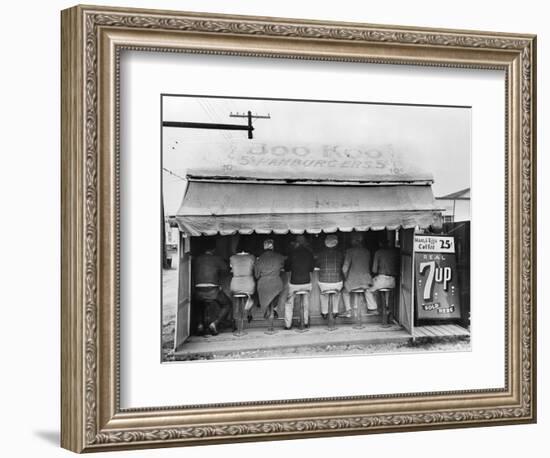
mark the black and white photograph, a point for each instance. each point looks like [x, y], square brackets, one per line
[310, 228]
[246, 228]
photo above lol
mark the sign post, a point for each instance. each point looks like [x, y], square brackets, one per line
[436, 278]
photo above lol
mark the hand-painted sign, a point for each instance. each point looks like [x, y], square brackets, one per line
[436, 278]
[378, 161]
[322, 161]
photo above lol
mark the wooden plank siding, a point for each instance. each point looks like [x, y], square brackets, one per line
[442, 330]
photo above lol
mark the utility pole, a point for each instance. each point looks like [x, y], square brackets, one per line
[165, 264]
[219, 126]
[163, 233]
[249, 116]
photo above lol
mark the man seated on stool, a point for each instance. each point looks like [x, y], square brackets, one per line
[357, 273]
[207, 269]
[385, 266]
[300, 263]
[329, 261]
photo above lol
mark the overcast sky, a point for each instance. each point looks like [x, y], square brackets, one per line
[316, 139]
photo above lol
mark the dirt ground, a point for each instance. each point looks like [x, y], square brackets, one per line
[169, 293]
[448, 344]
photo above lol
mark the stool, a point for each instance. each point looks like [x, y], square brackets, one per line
[385, 305]
[271, 329]
[240, 298]
[331, 293]
[301, 295]
[358, 316]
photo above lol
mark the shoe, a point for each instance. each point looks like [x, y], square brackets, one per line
[324, 315]
[200, 330]
[213, 329]
[347, 314]
[335, 315]
[288, 328]
[249, 318]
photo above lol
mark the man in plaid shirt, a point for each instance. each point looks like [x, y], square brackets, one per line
[330, 261]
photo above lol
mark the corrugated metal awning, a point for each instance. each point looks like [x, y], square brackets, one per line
[212, 207]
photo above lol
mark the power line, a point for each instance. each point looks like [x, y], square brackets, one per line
[174, 174]
[249, 115]
[215, 110]
[171, 181]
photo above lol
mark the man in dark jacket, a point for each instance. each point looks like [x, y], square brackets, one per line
[301, 264]
[207, 269]
[386, 265]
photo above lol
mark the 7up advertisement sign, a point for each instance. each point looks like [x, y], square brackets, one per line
[436, 278]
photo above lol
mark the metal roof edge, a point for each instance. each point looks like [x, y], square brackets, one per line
[304, 181]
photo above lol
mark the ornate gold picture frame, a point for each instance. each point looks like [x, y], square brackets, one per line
[92, 40]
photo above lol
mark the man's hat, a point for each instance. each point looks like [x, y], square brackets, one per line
[331, 241]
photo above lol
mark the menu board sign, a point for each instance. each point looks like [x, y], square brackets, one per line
[436, 278]
[434, 244]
